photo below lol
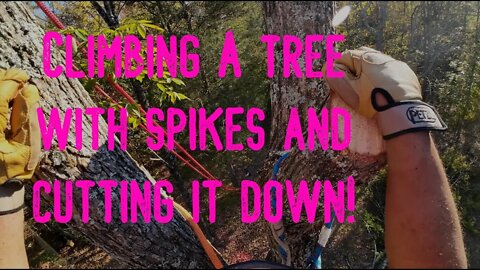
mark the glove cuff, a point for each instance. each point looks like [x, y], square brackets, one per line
[12, 196]
[407, 116]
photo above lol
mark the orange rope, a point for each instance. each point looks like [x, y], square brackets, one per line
[207, 246]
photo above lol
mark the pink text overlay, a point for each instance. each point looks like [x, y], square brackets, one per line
[131, 56]
[149, 202]
[322, 128]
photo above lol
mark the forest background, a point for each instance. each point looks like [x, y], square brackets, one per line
[439, 41]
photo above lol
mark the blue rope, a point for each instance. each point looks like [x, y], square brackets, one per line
[273, 202]
[315, 260]
[278, 164]
[276, 168]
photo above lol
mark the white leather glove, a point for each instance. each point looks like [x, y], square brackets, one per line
[371, 77]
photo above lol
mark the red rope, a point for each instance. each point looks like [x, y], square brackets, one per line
[101, 92]
[132, 101]
[50, 15]
[202, 171]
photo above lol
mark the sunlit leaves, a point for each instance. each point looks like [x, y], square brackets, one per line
[164, 88]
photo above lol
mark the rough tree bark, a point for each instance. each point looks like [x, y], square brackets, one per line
[134, 245]
[300, 19]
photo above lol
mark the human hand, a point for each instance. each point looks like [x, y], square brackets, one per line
[19, 146]
[378, 86]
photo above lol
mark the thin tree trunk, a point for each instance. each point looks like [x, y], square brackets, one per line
[135, 245]
[382, 20]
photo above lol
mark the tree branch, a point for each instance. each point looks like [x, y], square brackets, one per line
[100, 10]
[107, 13]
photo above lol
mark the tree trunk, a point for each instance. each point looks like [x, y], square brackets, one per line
[135, 245]
[382, 8]
[300, 19]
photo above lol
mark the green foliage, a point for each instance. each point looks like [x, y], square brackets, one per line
[374, 224]
[457, 167]
[440, 42]
[460, 172]
[162, 89]
[209, 21]
[373, 213]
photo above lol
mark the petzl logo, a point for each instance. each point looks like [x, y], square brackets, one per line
[421, 114]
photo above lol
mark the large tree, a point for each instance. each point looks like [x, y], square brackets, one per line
[135, 245]
[300, 19]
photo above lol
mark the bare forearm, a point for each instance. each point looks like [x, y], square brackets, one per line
[12, 247]
[422, 227]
